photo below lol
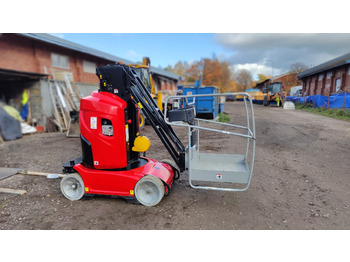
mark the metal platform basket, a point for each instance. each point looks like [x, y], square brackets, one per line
[225, 172]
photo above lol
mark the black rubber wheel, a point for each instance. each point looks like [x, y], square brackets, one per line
[72, 186]
[149, 190]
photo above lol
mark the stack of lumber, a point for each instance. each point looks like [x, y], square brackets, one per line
[65, 99]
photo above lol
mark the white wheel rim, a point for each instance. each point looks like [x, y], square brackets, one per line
[148, 193]
[72, 188]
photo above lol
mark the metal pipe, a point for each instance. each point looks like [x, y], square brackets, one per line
[247, 117]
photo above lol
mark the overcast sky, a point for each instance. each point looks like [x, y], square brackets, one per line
[259, 52]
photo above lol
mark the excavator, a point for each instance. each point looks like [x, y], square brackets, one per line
[274, 93]
[143, 71]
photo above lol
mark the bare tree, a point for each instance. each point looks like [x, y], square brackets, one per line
[243, 80]
[298, 67]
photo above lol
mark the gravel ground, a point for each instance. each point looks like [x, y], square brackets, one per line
[300, 181]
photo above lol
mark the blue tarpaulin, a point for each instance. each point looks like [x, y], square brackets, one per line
[335, 101]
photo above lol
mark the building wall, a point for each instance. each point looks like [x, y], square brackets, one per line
[324, 83]
[165, 86]
[288, 81]
[22, 54]
[17, 54]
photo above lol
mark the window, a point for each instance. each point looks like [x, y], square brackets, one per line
[89, 67]
[337, 84]
[329, 74]
[60, 61]
[320, 77]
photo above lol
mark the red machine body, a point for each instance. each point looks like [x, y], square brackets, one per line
[122, 183]
[105, 169]
[109, 152]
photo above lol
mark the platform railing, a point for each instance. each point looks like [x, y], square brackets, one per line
[247, 132]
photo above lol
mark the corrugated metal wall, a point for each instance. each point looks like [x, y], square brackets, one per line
[86, 89]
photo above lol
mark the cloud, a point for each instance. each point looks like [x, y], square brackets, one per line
[253, 50]
[256, 69]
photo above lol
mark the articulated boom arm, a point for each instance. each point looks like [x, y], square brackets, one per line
[156, 118]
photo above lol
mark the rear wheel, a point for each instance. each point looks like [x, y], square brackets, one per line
[72, 186]
[174, 167]
[149, 190]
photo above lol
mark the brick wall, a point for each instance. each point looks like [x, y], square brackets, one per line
[23, 54]
[17, 54]
[347, 80]
[288, 81]
[324, 83]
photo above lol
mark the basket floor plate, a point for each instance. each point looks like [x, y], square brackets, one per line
[219, 168]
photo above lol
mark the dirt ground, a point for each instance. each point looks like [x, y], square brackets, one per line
[301, 180]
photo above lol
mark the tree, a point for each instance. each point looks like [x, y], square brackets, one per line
[233, 87]
[212, 71]
[194, 71]
[261, 78]
[297, 68]
[226, 81]
[179, 69]
[243, 80]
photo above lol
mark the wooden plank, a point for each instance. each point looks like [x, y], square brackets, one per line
[33, 173]
[56, 114]
[74, 95]
[63, 113]
[12, 191]
[69, 101]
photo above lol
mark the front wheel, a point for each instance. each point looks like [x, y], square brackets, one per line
[149, 190]
[72, 186]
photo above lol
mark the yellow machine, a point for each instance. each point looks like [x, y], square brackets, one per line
[145, 75]
[275, 93]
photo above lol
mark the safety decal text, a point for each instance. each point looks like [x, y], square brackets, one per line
[93, 122]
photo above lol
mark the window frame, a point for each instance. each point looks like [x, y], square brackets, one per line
[87, 64]
[59, 58]
[338, 81]
[329, 75]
